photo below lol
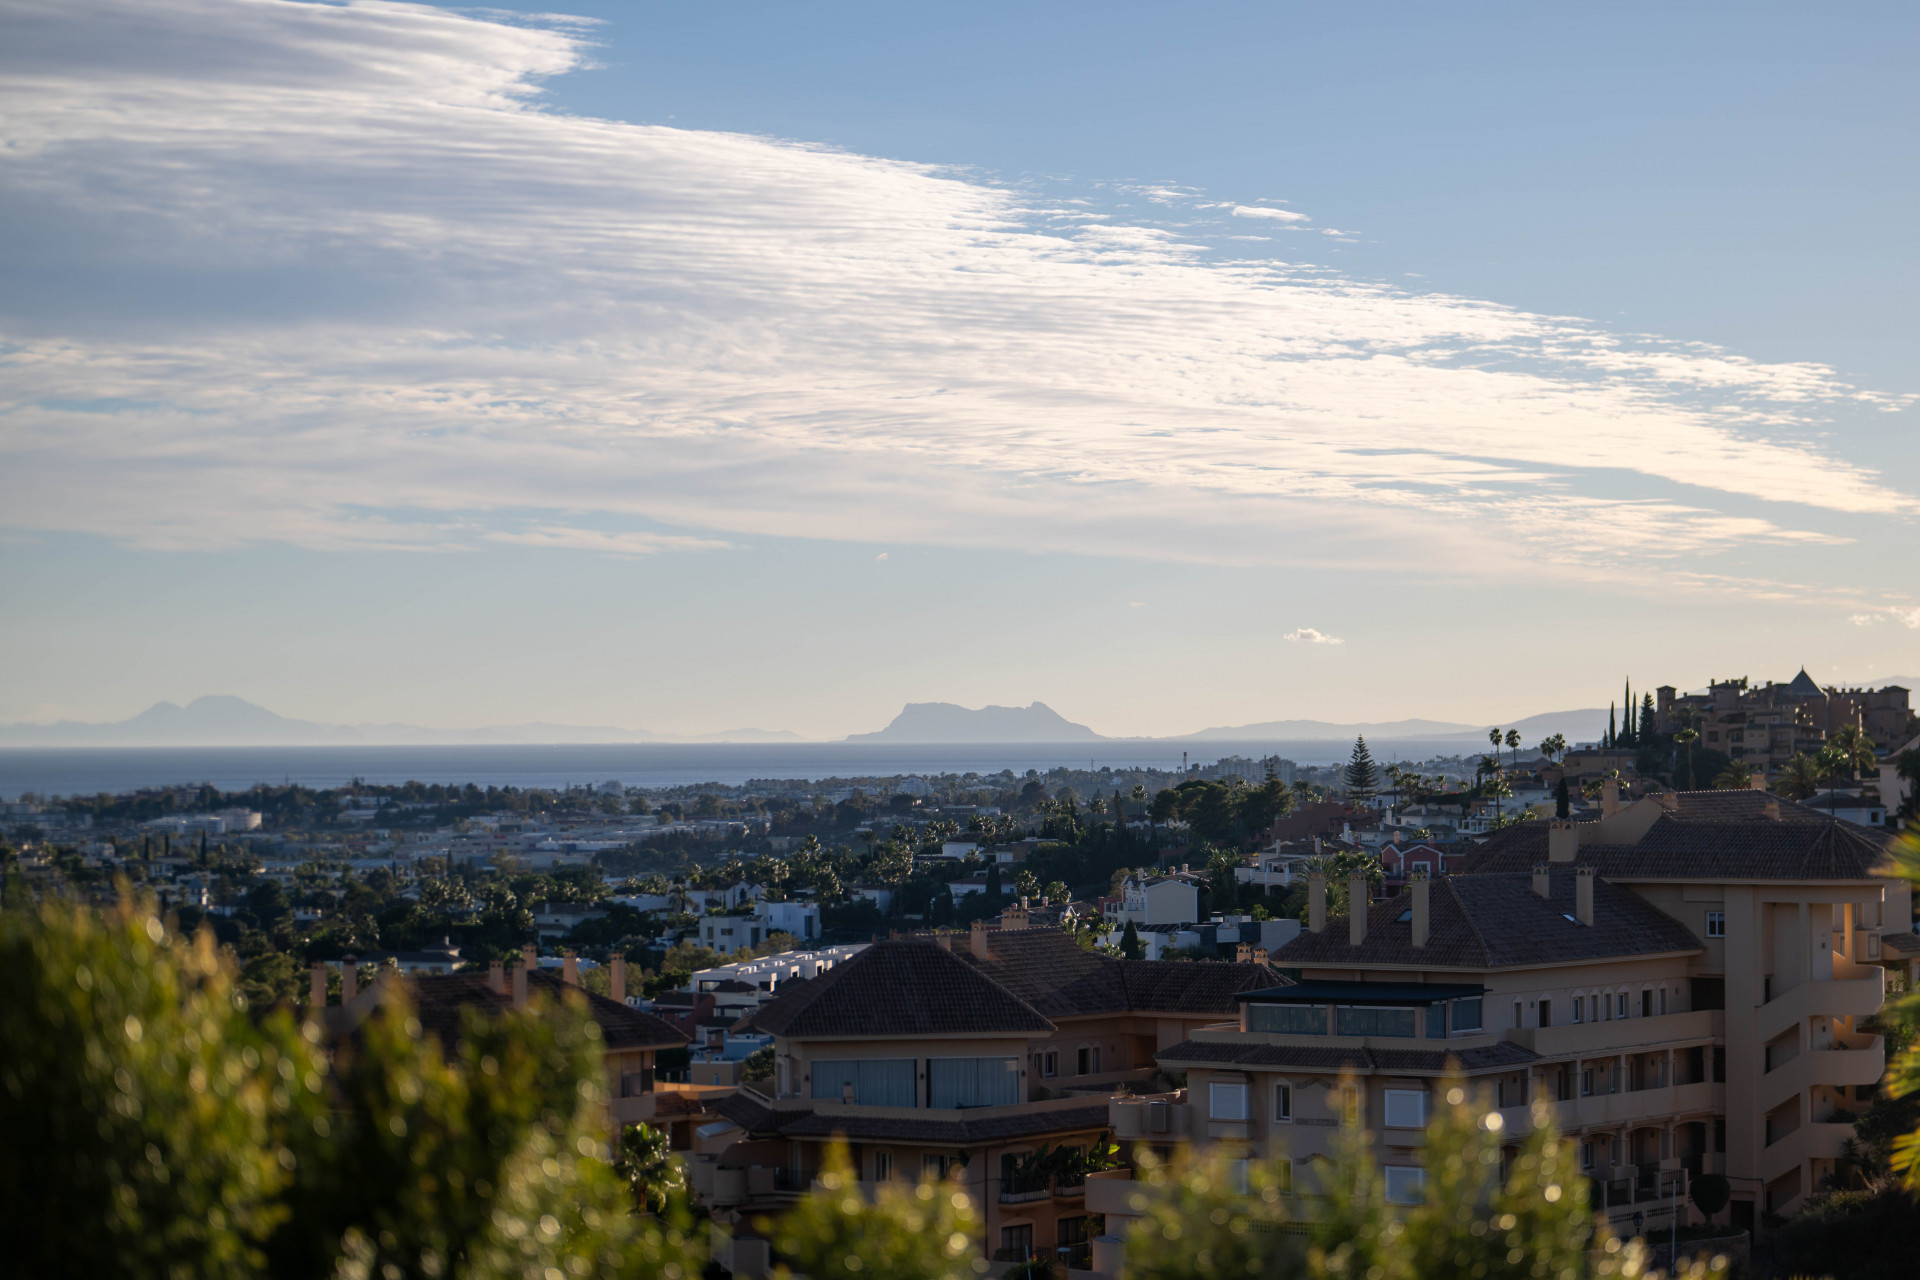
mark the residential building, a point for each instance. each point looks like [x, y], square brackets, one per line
[1152, 902]
[1769, 724]
[1686, 983]
[960, 1054]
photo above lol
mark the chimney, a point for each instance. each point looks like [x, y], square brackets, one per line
[497, 977]
[570, 969]
[945, 939]
[1583, 895]
[1542, 882]
[617, 978]
[317, 993]
[520, 985]
[1316, 901]
[1418, 886]
[1243, 954]
[1356, 910]
[1259, 955]
[529, 957]
[1609, 797]
[977, 943]
[1771, 809]
[349, 980]
[1563, 842]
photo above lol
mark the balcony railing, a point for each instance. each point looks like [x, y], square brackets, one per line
[1024, 1190]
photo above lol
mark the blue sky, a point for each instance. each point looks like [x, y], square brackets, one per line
[696, 366]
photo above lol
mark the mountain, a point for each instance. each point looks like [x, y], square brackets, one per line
[225, 721]
[1297, 729]
[949, 722]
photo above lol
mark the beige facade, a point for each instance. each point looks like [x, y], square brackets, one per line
[1685, 984]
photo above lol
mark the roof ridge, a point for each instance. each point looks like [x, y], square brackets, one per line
[1479, 938]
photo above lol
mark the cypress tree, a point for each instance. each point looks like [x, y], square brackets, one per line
[1611, 735]
[1562, 799]
[1130, 945]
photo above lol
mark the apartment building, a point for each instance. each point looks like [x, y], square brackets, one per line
[1685, 983]
[630, 1040]
[965, 1054]
[1769, 724]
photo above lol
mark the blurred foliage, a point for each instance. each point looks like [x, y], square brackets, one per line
[1471, 1222]
[150, 1127]
[906, 1231]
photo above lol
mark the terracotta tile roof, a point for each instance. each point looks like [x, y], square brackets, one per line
[1050, 971]
[1207, 1053]
[440, 999]
[900, 989]
[1711, 835]
[1495, 921]
[1907, 944]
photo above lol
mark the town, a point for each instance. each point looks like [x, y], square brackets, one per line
[1676, 940]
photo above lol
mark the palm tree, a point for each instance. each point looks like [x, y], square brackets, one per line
[1513, 744]
[1686, 738]
[1553, 746]
[1496, 738]
[1497, 788]
[1735, 777]
[1855, 748]
[1800, 777]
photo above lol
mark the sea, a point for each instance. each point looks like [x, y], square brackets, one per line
[70, 771]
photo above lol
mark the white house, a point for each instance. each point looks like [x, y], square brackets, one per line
[1157, 901]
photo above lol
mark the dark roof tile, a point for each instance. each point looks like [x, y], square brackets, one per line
[900, 988]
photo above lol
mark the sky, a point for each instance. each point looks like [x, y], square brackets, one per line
[686, 367]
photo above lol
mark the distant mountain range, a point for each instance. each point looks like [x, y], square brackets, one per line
[223, 721]
[950, 722]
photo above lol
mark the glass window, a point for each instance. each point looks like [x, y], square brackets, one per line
[882, 1166]
[1016, 1243]
[1437, 1021]
[1620, 1005]
[1226, 1102]
[1519, 1016]
[1283, 1102]
[1288, 1019]
[1405, 1184]
[875, 1082]
[1283, 1176]
[1716, 924]
[1646, 1003]
[1466, 1014]
[1364, 1020]
[1406, 1109]
[1350, 1103]
[1546, 1013]
[1237, 1176]
[1052, 1065]
[973, 1082]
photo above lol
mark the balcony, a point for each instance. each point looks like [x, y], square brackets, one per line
[1602, 1110]
[1025, 1190]
[722, 1188]
[1859, 996]
[1835, 1067]
[1813, 1141]
[1165, 1118]
[1111, 1192]
[1621, 1035]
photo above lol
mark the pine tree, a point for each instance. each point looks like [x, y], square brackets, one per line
[1648, 715]
[1363, 776]
[1130, 945]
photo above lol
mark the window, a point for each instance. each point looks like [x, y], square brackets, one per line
[1586, 1083]
[1283, 1102]
[1090, 1061]
[1052, 1065]
[1716, 924]
[1437, 1021]
[1466, 1015]
[1406, 1109]
[1350, 1105]
[1424, 868]
[1620, 1004]
[1226, 1102]
[1579, 1008]
[882, 1166]
[934, 1167]
[1406, 1184]
[1586, 1154]
[973, 1082]
[1546, 1013]
[1519, 1015]
[1663, 999]
[871, 1082]
[1283, 1176]
[1288, 1019]
[1071, 1231]
[1237, 1176]
[1365, 1020]
[1646, 1003]
[1016, 1243]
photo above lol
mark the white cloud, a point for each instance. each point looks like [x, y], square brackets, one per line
[1905, 616]
[1278, 215]
[1307, 635]
[618, 544]
[419, 310]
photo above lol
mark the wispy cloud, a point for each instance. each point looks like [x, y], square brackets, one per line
[560, 537]
[1278, 215]
[414, 290]
[1307, 635]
